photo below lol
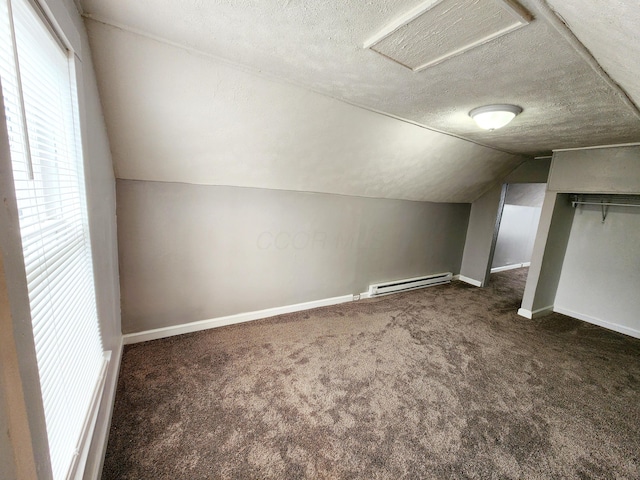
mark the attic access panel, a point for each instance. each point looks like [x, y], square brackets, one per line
[440, 29]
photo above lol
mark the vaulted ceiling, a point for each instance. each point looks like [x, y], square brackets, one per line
[239, 73]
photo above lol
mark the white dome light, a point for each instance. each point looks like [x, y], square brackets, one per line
[492, 117]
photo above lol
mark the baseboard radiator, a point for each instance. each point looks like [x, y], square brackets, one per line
[409, 284]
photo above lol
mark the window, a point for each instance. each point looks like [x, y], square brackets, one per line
[40, 97]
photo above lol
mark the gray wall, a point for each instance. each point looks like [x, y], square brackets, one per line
[526, 194]
[601, 270]
[604, 170]
[548, 253]
[531, 171]
[480, 235]
[518, 224]
[516, 235]
[100, 185]
[195, 252]
[599, 278]
[478, 255]
[599, 170]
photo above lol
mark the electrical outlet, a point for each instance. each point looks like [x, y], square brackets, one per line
[356, 297]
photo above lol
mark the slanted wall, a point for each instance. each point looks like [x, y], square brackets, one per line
[477, 256]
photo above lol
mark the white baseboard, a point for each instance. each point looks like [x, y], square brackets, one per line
[157, 333]
[632, 332]
[540, 312]
[510, 267]
[470, 281]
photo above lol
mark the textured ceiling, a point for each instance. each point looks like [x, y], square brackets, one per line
[424, 38]
[319, 45]
[611, 31]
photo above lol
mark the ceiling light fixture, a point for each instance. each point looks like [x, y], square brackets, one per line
[492, 117]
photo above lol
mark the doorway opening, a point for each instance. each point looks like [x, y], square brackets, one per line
[516, 226]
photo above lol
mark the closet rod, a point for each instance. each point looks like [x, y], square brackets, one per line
[604, 204]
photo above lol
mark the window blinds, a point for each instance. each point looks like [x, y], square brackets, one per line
[42, 122]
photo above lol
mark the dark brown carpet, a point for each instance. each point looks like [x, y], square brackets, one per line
[445, 382]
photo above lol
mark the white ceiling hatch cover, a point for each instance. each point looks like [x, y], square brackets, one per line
[437, 30]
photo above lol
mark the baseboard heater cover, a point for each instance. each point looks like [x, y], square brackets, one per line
[409, 284]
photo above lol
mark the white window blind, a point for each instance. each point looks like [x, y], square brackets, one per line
[38, 85]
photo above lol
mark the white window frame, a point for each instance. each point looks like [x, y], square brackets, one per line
[34, 407]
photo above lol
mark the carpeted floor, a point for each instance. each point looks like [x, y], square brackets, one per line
[444, 382]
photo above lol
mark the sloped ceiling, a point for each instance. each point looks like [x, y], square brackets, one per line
[610, 30]
[264, 93]
[178, 117]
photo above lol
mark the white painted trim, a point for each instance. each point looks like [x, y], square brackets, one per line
[510, 267]
[525, 313]
[164, 332]
[470, 281]
[98, 448]
[506, 267]
[632, 332]
[519, 15]
[633, 144]
[540, 312]
[76, 470]
[465, 48]
[364, 295]
[400, 22]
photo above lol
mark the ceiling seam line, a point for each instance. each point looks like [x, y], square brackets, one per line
[563, 29]
[272, 77]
